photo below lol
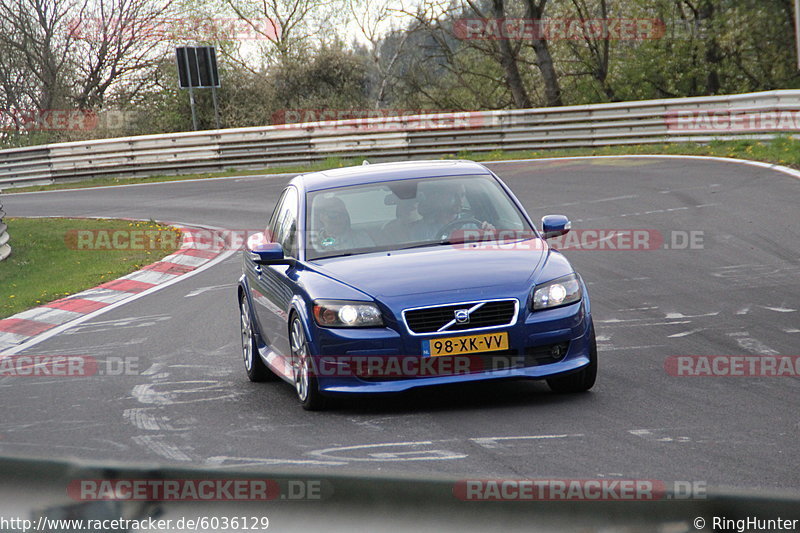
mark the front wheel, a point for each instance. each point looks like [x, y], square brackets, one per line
[253, 365]
[305, 383]
[582, 380]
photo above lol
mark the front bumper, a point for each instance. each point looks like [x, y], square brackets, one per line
[381, 360]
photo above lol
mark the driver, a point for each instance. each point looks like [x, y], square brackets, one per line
[441, 209]
[333, 227]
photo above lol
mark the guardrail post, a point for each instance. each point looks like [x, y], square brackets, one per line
[5, 248]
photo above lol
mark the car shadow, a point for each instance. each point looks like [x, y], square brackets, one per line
[461, 397]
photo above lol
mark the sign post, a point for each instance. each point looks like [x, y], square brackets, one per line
[797, 29]
[197, 69]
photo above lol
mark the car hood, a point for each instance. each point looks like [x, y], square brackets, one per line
[435, 270]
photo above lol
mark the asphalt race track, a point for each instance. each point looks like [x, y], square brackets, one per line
[190, 403]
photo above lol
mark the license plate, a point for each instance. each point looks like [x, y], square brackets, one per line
[488, 342]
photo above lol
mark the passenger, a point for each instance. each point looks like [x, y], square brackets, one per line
[333, 230]
[441, 208]
[398, 231]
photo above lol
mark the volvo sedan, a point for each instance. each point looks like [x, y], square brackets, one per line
[381, 278]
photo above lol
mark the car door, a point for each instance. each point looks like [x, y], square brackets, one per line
[272, 288]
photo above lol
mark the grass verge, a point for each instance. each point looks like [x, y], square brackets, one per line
[55, 257]
[782, 150]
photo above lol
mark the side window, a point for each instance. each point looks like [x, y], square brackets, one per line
[283, 224]
[269, 233]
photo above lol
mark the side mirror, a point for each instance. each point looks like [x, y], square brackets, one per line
[555, 226]
[263, 252]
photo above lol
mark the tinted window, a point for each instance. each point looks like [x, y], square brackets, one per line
[404, 213]
[283, 225]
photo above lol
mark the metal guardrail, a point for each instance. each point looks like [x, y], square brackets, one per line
[386, 138]
[5, 248]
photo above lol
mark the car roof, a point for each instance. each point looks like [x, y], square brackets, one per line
[343, 177]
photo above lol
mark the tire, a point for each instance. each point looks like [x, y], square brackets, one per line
[253, 365]
[582, 380]
[305, 383]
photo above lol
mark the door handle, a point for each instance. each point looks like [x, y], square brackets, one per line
[257, 268]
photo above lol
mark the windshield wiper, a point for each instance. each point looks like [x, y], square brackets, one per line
[422, 245]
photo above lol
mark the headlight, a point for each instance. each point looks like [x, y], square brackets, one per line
[346, 314]
[562, 291]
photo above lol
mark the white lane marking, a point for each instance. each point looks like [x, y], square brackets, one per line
[752, 345]
[421, 455]
[770, 166]
[492, 442]
[419, 449]
[164, 449]
[119, 324]
[372, 423]
[792, 330]
[685, 333]
[637, 322]
[154, 369]
[144, 418]
[667, 191]
[201, 290]
[744, 310]
[610, 348]
[59, 329]
[235, 178]
[638, 213]
[626, 197]
[206, 390]
[653, 435]
[567, 204]
[676, 316]
[224, 461]
[779, 309]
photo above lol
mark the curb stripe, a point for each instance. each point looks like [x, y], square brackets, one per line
[32, 326]
[77, 305]
[127, 285]
[22, 326]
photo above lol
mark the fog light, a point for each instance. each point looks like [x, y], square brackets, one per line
[558, 351]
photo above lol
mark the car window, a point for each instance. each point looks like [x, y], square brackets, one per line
[269, 232]
[283, 224]
[399, 214]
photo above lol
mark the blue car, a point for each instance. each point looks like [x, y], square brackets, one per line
[381, 278]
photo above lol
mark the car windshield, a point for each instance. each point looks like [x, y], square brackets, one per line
[407, 213]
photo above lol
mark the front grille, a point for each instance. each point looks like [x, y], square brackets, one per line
[433, 319]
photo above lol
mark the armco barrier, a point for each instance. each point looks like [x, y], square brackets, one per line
[385, 138]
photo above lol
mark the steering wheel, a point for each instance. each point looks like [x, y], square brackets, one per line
[451, 226]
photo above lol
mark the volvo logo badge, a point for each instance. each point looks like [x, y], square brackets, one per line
[462, 316]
